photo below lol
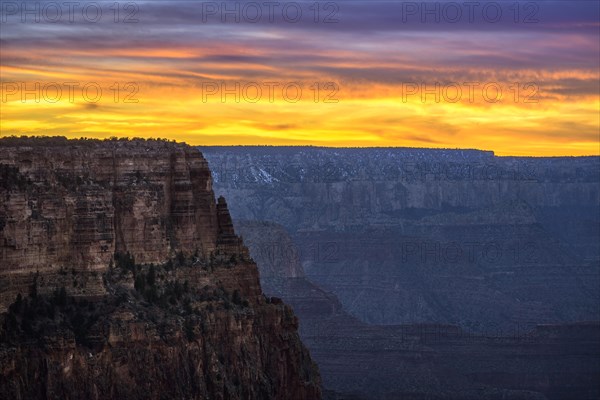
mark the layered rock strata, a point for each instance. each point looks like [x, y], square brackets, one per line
[122, 277]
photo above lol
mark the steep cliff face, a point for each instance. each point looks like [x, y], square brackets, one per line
[130, 282]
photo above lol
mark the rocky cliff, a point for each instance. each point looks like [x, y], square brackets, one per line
[122, 277]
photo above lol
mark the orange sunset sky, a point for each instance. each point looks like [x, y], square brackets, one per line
[348, 73]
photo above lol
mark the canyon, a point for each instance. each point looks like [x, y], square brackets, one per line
[428, 274]
[402, 273]
[430, 236]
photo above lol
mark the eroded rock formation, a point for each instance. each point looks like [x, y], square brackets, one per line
[122, 277]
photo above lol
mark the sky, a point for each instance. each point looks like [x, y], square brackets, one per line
[515, 77]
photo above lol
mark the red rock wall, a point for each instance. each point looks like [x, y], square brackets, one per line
[81, 202]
